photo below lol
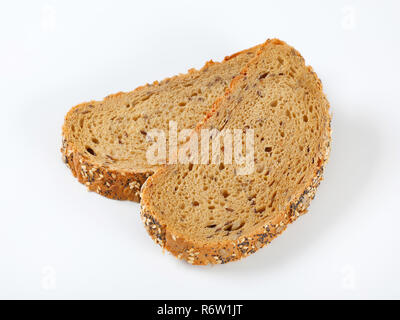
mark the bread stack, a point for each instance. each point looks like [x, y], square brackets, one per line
[203, 208]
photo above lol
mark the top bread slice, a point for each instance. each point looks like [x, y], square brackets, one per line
[208, 213]
[104, 142]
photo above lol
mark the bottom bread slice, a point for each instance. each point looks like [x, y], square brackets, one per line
[211, 214]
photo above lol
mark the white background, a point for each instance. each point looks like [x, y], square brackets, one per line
[59, 241]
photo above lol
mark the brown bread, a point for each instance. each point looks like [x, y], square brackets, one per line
[208, 214]
[104, 142]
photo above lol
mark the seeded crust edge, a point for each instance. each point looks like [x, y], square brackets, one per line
[115, 184]
[109, 183]
[228, 251]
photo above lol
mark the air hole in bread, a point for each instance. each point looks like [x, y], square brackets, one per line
[260, 209]
[228, 227]
[146, 98]
[272, 199]
[242, 223]
[91, 151]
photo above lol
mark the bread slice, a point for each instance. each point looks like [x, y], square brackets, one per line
[209, 214]
[104, 142]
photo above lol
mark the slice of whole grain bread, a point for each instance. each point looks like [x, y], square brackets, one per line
[104, 142]
[208, 213]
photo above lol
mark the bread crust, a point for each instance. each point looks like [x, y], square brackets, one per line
[106, 182]
[114, 184]
[227, 251]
